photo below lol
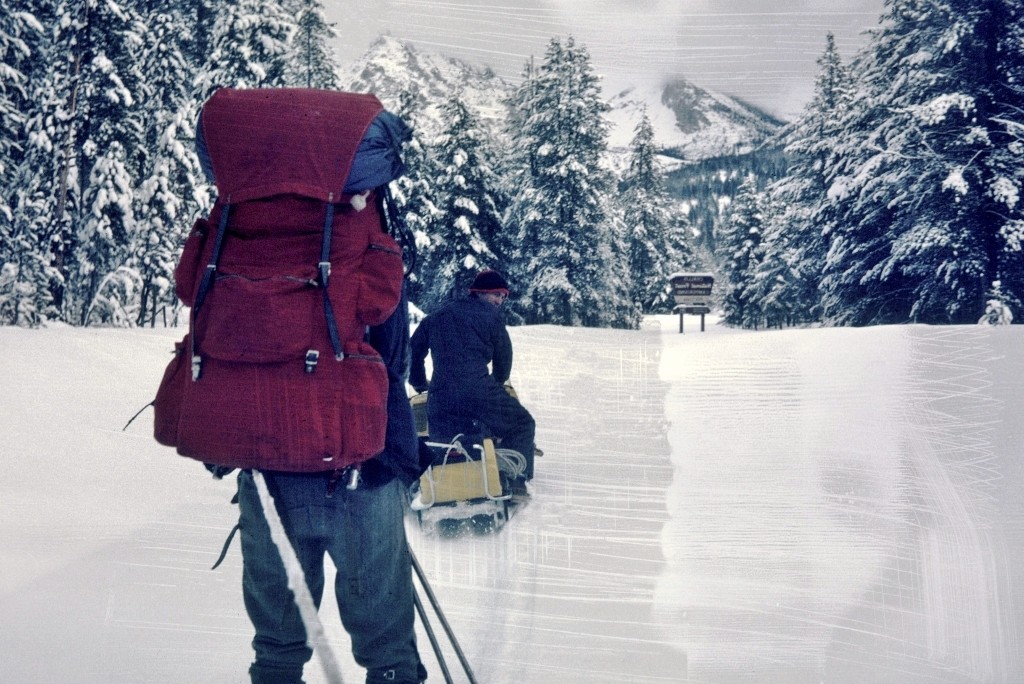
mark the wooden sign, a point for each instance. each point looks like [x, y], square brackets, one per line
[692, 289]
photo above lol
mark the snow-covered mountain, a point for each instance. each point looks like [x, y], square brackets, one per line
[690, 123]
[391, 67]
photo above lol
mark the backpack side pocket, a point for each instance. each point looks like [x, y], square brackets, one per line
[170, 394]
[191, 263]
[380, 279]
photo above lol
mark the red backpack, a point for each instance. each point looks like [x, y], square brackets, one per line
[283, 279]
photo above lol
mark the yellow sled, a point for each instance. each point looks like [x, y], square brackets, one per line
[476, 477]
[464, 487]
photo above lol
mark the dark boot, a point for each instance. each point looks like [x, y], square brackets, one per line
[397, 675]
[517, 488]
[261, 673]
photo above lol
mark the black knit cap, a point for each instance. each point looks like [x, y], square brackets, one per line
[489, 281]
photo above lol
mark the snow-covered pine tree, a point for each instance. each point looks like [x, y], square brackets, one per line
[414, 194]
[996, 310]
[926, 178]
[515, 169]
[41, 222]
[107, 289]
[84, 131]
[739, 253]
[171, 190]
[794, 245]
[618, 284]
[15, 52]
[249, 44]
[780, 277]
[110, 140]
[1007, 184]
[310, 62]
[564, 268]
[18, 31]
[467, 188]
[657, 243]
[198, 19]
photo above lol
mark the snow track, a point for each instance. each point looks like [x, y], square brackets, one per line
[567, 585]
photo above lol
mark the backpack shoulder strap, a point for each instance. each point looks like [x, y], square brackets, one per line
[324, 273]
[205, 284]
[211, 267]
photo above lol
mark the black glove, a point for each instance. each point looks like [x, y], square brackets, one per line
[218, 471]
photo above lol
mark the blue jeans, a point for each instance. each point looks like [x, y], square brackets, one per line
[363, 532]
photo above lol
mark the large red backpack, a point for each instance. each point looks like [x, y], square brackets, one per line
[283, 279]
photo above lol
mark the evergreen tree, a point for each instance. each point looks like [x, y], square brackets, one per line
[739, 252]
[564, 262]
[249, 45]
[657, 245]
[996, 310]
[171, 189]
[15, 52]
[107, 288]
[17, 29]
[310, 61]
[1007, 163]
[470, 205]
[198, 19]
[109, 139]
[620, 309]
[926, 175]
[414, 197]
[783, 272]
[83, 135]
[40, 222]
[794, 244]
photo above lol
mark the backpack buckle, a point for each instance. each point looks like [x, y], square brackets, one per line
[312, 356]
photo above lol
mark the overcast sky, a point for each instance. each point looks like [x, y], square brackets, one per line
[763, 51]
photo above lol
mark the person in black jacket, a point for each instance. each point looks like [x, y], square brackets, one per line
[471, 354]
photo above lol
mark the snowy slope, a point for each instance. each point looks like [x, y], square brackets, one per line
[799, 506]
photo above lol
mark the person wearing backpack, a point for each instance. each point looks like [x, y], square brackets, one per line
[361, 528]
[471, 353]
[294, 369]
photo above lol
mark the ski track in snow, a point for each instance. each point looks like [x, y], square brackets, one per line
[555, 597]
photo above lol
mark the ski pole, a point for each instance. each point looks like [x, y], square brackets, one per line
[440, 616]
[433, 639]
[297, 583]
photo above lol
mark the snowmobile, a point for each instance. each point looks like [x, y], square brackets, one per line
[467, 485]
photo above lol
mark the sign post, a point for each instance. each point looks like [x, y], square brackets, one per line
[692, 292]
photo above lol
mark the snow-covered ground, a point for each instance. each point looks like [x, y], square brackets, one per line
[828, 505]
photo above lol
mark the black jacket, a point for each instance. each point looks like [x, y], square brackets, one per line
[463, 337]
[401, 448]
